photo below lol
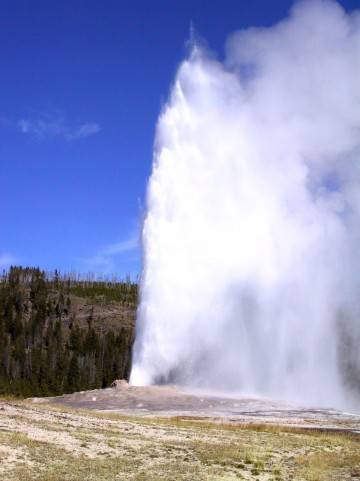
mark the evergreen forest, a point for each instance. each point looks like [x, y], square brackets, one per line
[61, 334]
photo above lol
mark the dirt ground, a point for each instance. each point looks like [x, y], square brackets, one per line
[50, 440]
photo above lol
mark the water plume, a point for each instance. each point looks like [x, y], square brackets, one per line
[251, 278]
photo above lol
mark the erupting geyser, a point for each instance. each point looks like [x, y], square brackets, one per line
[251, 278]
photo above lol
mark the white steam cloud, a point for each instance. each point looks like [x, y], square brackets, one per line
[251, 277]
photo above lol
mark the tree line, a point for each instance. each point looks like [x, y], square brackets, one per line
[45, 349]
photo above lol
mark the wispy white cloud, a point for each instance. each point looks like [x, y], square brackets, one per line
[122, 246]
[84, 130]
[101, 264]
[6, 260]
[53, 126]
[104, 261]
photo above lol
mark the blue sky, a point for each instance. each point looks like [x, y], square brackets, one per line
[81, 87]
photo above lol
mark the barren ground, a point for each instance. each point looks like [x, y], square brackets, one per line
[171, 435]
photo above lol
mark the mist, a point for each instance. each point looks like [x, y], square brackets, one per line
[251, 277]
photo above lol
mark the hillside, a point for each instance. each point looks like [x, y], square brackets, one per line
[61, 334]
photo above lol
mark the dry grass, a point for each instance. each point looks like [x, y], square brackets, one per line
[52, 443]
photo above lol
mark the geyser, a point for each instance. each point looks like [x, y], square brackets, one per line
[251, 238]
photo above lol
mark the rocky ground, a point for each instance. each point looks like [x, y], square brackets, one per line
[168, 437]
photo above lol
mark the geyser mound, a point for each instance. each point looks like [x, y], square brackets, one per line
[251, 238]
